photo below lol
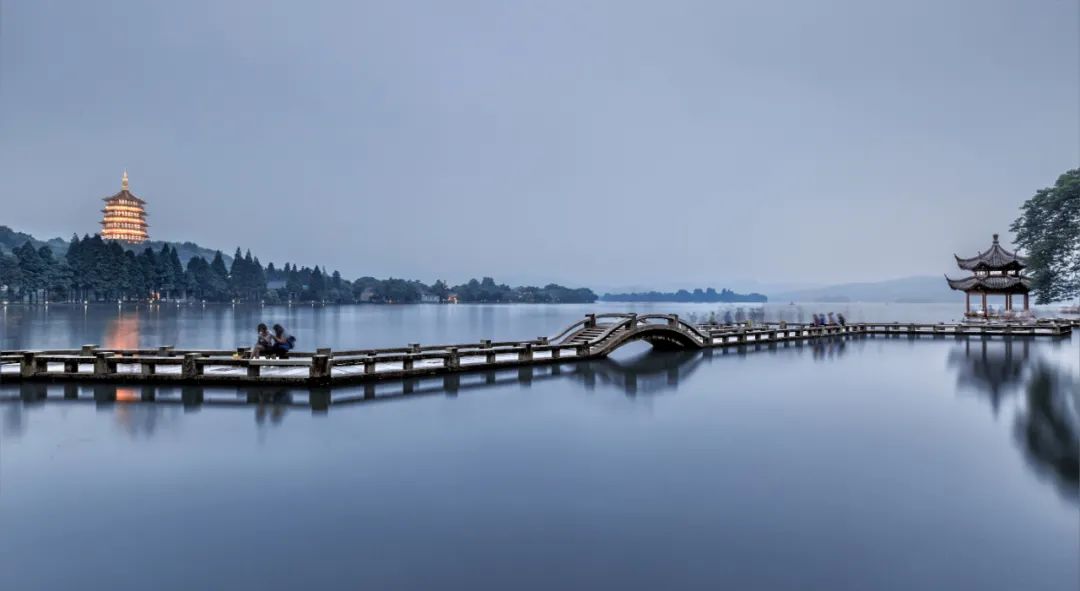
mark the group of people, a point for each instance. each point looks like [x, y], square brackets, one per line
[829, 319]
[276, 343]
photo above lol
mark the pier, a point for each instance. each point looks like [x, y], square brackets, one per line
[595, 336]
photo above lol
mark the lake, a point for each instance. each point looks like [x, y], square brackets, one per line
[861, 463]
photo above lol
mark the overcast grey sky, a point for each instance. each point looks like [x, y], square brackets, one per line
[597, 143]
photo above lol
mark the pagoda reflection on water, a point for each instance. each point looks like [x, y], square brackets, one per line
[124, 216]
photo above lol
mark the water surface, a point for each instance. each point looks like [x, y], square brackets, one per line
[869, 463]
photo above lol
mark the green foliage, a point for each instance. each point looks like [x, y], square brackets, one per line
[93, 269]
[1049, 230]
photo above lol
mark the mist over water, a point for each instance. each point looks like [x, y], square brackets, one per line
[861, 463]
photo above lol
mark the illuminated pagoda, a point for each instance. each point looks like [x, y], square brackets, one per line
[125, 216]
[994, 272]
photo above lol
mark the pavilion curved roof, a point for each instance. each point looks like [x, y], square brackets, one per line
[995, 257]
[989, 283]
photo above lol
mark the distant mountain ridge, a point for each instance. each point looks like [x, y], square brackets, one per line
[918, 289]
[709, 295]
[12, 239]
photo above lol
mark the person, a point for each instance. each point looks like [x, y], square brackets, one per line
[264, 343]
[728, 320]
[840, 318]
[832, 319]
[283, 342]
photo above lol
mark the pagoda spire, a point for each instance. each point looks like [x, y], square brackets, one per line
[124, 182]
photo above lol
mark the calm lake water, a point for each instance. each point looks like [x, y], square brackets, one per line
[869, 463]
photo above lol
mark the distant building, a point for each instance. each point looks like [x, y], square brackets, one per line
[429, 298]
[994, 272]
[124, 216]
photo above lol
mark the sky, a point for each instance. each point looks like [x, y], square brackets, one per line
[603, 144]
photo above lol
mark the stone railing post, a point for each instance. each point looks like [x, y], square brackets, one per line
[590, 320]
[369, 364]
[526, 353]
[27, 365]
[407, 362]
[320, 368]
[190, 369]
[673, 320]
[103, 365]
[453, 361]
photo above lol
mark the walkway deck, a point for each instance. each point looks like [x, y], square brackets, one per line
[595, 336]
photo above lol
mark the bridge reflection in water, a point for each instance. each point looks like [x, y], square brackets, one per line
[1046, 394]
[653, 371]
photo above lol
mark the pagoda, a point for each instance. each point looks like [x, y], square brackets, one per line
[125, 216]
[994, 272]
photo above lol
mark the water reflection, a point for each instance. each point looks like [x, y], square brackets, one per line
[649, 373]
[994, 368]
[1049, 427]
[1048, 420]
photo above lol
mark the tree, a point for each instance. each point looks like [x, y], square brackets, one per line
[10, 274]
[1049, 230]
[33, 270]
[440, 290]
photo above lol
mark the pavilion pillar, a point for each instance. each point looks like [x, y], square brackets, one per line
[986, 313]
[967, 302]
[1025, 302]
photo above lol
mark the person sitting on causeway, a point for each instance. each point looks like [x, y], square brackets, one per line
[283, 342]
[264, 343]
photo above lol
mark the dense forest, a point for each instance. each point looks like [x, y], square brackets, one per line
[708, 295]
[92, 269]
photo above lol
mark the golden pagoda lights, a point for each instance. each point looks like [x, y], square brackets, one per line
[124, 216]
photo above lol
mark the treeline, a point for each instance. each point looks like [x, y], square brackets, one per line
[98, 270]
[699, 295]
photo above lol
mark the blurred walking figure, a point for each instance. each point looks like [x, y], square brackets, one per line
[832, 319]
[727, 318]
[840, 318]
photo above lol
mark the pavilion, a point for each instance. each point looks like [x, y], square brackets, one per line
[994, 272]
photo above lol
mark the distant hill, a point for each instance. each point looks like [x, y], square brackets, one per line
[919, 289]
[11, 239]
[698, 295]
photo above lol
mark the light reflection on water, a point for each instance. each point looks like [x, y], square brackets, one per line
[864, 463]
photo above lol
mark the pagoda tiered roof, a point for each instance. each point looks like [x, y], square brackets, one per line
[124, 194]
[990, 283]
[995, 258]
